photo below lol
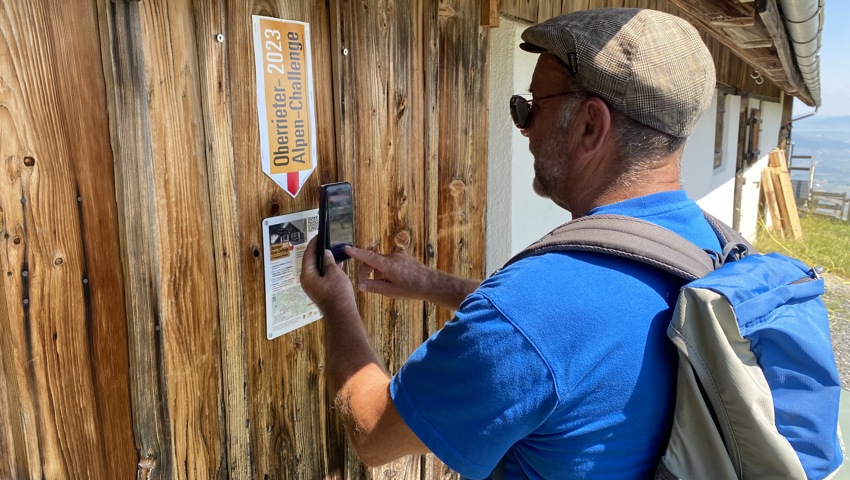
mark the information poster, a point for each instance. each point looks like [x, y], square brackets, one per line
[285, 239]
[285, 103]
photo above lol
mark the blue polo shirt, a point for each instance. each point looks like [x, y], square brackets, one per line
[559, 365]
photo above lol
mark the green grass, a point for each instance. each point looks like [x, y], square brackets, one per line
[825, 242]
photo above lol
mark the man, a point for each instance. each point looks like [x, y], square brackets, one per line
[557, 366]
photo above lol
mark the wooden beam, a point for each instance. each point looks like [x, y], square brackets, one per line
[729, 22]
[490, 13]
[787, 197]
[760, 43]
[776, 159]
[740, 160]
[782, 206]
[769, 195]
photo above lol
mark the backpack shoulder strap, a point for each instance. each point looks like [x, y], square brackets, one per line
[727, 234]
[638, 240]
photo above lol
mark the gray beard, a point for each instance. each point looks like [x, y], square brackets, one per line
[548, 177]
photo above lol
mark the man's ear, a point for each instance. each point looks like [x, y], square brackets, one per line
[594, 125]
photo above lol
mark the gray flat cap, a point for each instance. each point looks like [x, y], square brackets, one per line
[651, 66]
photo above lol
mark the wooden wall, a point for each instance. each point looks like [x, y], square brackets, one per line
[132, 308]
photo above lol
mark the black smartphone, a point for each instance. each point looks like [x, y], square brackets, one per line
[336, 222]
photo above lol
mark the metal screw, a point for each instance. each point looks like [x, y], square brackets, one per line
[345, 51]
[219, 38]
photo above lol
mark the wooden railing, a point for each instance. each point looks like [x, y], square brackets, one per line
[829, 203]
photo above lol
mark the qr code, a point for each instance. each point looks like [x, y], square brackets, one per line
[312, 224]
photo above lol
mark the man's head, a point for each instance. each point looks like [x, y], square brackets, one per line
[651, 66]
[644, 79]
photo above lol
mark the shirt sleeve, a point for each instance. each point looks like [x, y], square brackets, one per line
[474, 388]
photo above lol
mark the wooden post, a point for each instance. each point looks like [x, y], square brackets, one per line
[785, 193]
[740, 160]
[489, 13]
[770, 201]
[776, 159]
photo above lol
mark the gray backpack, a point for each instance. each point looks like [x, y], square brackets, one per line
[757, 388]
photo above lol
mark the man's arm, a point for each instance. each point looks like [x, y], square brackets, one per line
[400, 276]
[358, 382]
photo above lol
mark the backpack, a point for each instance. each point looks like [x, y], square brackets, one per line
[757, 388]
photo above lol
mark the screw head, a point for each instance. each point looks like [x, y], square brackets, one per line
[219, 38]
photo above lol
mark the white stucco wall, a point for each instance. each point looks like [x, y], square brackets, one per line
[771, 115]
[713, 188]
[516, 216]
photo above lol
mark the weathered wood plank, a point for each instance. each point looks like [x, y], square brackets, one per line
[13, 458]
[432, 467]
[292, 432]
[185, 273]
[127, 98]
[64, 338]
[786, 197]
[740, 158]
[770, 201]
[383, 109]
[462, 163]
[776, 159]
[489, 13]
[212, 40]
[170, 284]
[782, 205]
[521, 9]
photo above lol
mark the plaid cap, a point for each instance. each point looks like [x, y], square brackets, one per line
[651, 66]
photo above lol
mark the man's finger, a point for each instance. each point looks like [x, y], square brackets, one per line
[377, 286]
[330, 260]
[364, 272]
[368, 257]
[309, 260]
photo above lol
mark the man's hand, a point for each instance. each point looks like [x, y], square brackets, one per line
[334, 290]
[400, 276]
[357, 381]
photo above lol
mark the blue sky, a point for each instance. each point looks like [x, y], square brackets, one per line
[834, 62]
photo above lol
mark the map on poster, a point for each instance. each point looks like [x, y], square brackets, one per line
[285, 239]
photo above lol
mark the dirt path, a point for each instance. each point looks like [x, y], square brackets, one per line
[837, 300]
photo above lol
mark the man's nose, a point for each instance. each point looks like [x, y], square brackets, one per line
[524, 132]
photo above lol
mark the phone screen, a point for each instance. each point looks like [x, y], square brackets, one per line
[336, 215]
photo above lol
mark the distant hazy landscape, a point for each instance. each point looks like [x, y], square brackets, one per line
[827, 139]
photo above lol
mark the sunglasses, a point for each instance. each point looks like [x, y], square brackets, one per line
[521, 107]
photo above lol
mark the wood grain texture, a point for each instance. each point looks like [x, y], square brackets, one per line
[770, 201]
[132, 184]
[127, 98]
[740, 158]
[166, 239]
[185, 274]
[64, 348]
[384, 106]
[520, 9]
[462, 163]
[292, 431]
[214, 81]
